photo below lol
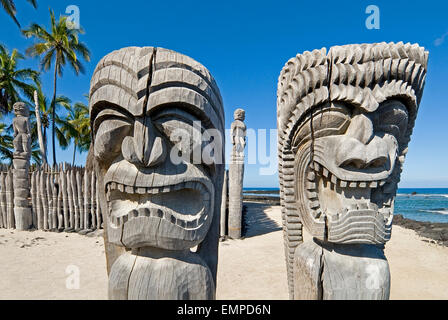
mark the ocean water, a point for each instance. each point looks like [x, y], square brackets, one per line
[421, 204]
[427, 204]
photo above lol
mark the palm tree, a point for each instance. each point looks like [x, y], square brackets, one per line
[10, 8]
[45, 110]
[59, 46]
[6, 145]
[14, 81]
[78, 118]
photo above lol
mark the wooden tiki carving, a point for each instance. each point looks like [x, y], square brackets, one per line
[344, 123]
[161, 215]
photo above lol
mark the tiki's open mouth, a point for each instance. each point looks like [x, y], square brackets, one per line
[352, 210]
[185, 204]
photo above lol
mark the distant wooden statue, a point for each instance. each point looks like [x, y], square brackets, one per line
[344, 123]
[21, 162]
[236, 174]
[22, 135]
[161, 210]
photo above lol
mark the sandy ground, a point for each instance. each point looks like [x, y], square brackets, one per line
[44, 265]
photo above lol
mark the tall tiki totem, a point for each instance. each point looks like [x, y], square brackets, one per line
[21, 162]
[159, 197]
[345, 119]
[236, 174]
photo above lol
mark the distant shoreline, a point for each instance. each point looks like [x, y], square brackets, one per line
[438, 232]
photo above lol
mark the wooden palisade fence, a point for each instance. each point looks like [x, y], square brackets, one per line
[63, 198]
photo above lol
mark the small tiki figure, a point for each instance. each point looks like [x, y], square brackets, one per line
[21, 125]
[238, 132]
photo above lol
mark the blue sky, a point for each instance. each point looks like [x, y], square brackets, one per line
[245, 45]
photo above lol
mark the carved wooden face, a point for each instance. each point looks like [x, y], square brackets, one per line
[348, 164]
[150, 199]
[20, 109]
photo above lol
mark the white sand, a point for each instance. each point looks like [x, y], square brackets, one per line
[33, 264]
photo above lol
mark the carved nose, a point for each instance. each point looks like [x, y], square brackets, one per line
[146, 148]
[361, 128]
[360, 147]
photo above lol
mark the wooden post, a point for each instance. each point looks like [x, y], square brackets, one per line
[34, 197]
[3, 197]
[39, 200]
[223, 220]
[10, 200]
[93, 200]
[87, 204]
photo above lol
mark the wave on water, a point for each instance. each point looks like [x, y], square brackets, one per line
[435, 195]
[436, 210]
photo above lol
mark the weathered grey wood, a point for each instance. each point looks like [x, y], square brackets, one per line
[49, 189]
[236, 175]
[34, 198]
[87, 204]
[71, 203]
[223, 216]
[59, 206]
[338, 171]
[2, 214]
[40, 206]
[10, 200]
[75, 198]
[93, 201]
[21, 161]
[80, 197]
[174, 227]
[43, 152]
[3, 197]
[64, 187]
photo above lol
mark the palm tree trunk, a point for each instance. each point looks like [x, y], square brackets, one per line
[43, 152]
[74, 154]
[53, 104]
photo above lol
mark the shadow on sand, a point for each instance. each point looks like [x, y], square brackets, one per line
[256, 222]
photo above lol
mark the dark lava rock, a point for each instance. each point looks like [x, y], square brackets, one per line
[434, 231]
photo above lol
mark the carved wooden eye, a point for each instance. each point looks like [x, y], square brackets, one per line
[186, 133]
[327, 120]
[392, 117]
[110, 128]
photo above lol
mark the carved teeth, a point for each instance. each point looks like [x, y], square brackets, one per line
[310, 185]
[343, 184]
[316, 213]
[312, 195]
[334, 180]
[144, 212]
[311, 176]
[325, 173]
[181, 223]
[363, 205]
[141, 190]
[133, 214]
[314, 204]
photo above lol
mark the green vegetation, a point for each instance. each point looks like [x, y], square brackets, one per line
[55, 47]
